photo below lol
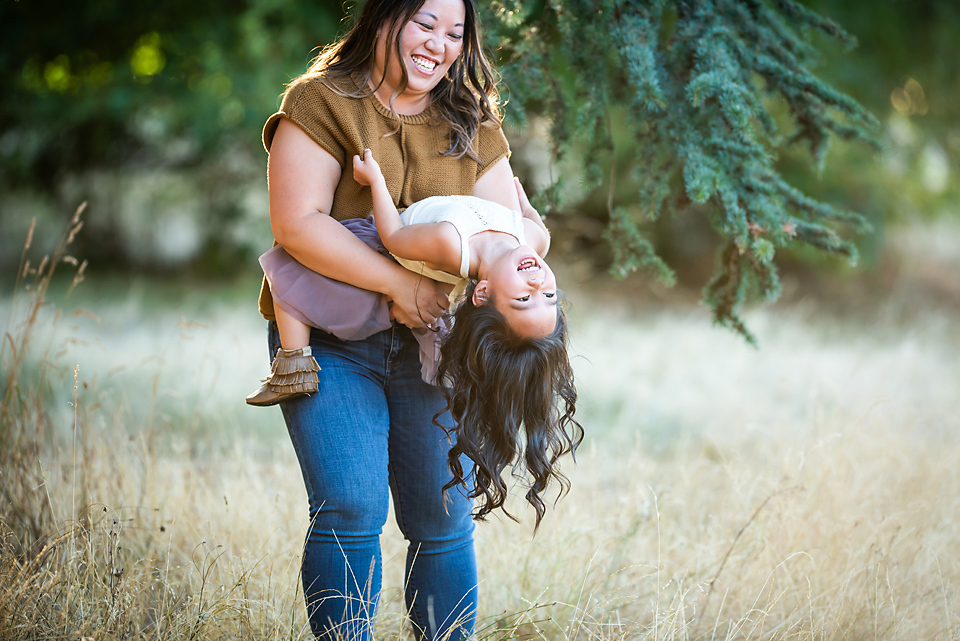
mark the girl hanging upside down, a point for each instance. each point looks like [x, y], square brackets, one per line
[502, 364]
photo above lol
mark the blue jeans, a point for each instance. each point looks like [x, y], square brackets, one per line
[368, 433]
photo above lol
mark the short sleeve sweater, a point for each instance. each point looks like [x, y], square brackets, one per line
[409, 152]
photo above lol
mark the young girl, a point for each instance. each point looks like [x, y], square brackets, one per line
[503, 363]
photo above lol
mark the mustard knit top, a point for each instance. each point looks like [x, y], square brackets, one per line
[410, 157]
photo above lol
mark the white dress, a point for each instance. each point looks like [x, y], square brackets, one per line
[469, 215]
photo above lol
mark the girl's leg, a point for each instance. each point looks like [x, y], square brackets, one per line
[293, 333]
[441, 575]
[340, 437]
[293, 372]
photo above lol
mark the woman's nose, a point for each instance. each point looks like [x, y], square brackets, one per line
[434, 44]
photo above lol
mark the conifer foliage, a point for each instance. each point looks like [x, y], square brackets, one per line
[690, 88]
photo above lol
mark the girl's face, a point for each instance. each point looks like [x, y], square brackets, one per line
[429, 44]
[523, 288]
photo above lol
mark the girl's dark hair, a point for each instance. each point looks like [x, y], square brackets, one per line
[512, 401]
[466, 97]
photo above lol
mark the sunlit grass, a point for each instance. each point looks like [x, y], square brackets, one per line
[805, 490]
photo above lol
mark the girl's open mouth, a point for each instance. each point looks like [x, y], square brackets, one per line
[528, 264]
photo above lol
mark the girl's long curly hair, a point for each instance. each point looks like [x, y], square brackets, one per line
[466, 98]
[512, 401]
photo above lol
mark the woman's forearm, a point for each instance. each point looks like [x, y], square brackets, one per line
[327, 247]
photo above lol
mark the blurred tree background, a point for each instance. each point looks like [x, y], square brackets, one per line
[153, 112]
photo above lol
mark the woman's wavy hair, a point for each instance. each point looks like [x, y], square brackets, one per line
[512, 401]
[466, 97]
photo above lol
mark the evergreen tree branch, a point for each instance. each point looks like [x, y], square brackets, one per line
[693, 82]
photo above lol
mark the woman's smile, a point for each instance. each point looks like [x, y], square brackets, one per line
[431, 41]
[424, 64]
[429, 44]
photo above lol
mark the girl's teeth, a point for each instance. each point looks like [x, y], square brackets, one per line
[527, 265]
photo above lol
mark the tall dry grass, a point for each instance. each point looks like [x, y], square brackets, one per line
[93, 540]
[808, 490]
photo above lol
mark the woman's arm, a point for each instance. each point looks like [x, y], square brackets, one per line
[499, 185]
[496, 184]
[302, 178]
[534, 226]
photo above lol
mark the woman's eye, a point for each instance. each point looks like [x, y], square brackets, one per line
[425, 26]
[524, 299]
[550, 294]
[456, 36]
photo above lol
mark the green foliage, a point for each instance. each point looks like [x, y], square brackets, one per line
[667, 106]
[110, 83]
[105, 100]
[694, 81]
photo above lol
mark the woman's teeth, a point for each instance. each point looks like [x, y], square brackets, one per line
[424, 64]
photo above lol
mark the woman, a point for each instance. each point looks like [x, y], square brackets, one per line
[409, 82]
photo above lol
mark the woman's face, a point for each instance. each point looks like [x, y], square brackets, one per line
[429, 44]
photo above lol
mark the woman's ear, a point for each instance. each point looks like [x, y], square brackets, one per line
[480, 293]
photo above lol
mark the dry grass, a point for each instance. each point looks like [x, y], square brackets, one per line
[808, 490]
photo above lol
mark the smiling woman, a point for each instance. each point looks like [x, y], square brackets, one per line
[428, 46]
[410, 83]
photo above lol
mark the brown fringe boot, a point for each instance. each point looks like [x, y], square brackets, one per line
[293, 373]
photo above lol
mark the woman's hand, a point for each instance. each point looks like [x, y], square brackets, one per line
[416, 300]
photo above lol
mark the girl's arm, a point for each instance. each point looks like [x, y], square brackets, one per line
[367, 172]
[435, 243]
[302, 179]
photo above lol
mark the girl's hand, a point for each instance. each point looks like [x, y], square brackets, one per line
[366, 171]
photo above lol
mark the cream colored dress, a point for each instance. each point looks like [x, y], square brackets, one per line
[469, 215]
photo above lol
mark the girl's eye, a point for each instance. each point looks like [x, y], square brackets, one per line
[524, 299]
[550, 294]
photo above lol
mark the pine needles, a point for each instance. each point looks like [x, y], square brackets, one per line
[695, 82]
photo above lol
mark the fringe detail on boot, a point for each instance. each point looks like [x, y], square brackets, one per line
[293, 373]
[292, 362]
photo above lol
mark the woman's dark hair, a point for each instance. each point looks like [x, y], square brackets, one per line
[466, 97]
[512, 401]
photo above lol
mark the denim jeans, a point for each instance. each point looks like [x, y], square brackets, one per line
[368, 433]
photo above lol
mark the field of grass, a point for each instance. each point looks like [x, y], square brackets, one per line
[806, 490]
